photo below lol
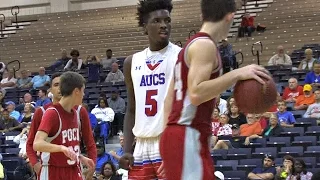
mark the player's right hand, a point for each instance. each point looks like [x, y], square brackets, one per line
[37, 168]
[254, 71]
[69, 153]
[126, 161]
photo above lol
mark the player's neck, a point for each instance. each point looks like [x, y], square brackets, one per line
[213, 30]
[67, 103]
[157, 47]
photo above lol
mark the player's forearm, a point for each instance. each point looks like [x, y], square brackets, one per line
[128, 135]
[210, 89]
[32, 155]
[43, 146]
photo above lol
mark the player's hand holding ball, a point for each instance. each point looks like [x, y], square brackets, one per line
[126, 161]
[254, 71]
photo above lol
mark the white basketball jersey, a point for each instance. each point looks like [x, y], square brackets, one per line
[151, 73]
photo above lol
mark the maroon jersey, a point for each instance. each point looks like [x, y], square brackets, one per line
[62, 128]
[183, 112]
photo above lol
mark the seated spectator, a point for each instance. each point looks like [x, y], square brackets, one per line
[222, 105]
[43, 98]
[93, 64]
[75, 63]
[11, 109]
[316, 176]
[286, 119]
[262, 120]
[102, 157]
[291, 92]
[116, 155]
[313, 110]
[247, 25]
[227, 56]
[313, 77]
[27, 98]
[118, 105]
[281, 58]
[108, 60]
[215, 118]
[286, 171]
[40, 80]
[108, 172]
[60, 62]
[105, 116]
[21, 139]
[115, 75]
[2, 104]
[235, 117]
[8, 123]
[303, 101]
[224, 128]
[24, 81]
[267, 172]
[307, 63]
[92, 117]
[9, 82]
[2, 69]
[300, 171]
[273, 129]
[27, 115]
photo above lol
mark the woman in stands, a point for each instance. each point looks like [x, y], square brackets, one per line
[224, 128]
[235, 116]
[28, 113]
[108, 172]
[215, 118]
[300, 171]
[285, 172]
[274, 129]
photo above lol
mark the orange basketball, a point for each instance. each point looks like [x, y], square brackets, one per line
[253, 97]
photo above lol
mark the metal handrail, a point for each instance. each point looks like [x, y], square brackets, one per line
[1, 24]
[15, 14]
[192, 31]
[14, 70]
[179, 43]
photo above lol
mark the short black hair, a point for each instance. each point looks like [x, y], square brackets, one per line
[147, 6]
[70, 81]
[57, 74]
[74, 52]
[215, 10]
[44, 90]
[109, 50]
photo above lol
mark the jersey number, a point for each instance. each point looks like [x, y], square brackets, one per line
[178, 82]
[151, 103]
[76, 149]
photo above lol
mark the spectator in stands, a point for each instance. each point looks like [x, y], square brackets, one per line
[313, 77]
[247, 25]
[291, 92]
[10, 106]
[102, 156]
[300, 171]
[307, 63]
[8, 123]
[75, 63]
[303, 101]
[261, 119]
[43, 98]
[108, 172]
[313, 110]
[116, 155]
[27, 98]
[115, 75]
[2, 104]
[40, 80]
[60, 62]
[230, 101]
[281, 58]
[267, 172]
[92, 117]
[118, 105]
[24, 81]
[286, 118]
[9, 82]
[21, 139]
[27, 114]
[227, 56]
[224, 128]
[285, 172]
[215, 117]
[235, 117]
[108, 60]
[2, 69]
[93, 64]
[222, 105]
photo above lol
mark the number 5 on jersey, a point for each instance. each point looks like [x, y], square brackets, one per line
[151, 104]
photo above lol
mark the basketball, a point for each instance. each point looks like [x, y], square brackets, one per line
[253, 97]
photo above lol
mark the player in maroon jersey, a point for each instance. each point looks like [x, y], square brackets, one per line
[36, 120]
[58, 136]
[184, 144]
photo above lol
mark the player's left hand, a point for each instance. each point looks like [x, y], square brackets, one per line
[161, 171]
[87, 162]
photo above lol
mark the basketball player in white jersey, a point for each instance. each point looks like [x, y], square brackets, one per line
[147, 75]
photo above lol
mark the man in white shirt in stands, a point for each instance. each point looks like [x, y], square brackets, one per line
[9, 82]
[281, 58]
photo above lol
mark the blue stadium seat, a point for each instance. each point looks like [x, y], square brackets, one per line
[260, 152]
[278, 162]
[291, 132]
[278, 142]
[249, 164]
[239, 153]
[257, 143]
[310, 162]
[304, 141]
[305, 122]
[292, 151]
[235, 175]
[312, 151]
[226, 165]
[219, 154]
[313, 131]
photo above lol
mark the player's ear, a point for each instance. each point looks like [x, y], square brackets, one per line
[229, 17]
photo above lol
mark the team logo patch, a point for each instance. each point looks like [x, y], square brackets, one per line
[155, 64]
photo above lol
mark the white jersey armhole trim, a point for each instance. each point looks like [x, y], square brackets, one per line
[49, 139]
